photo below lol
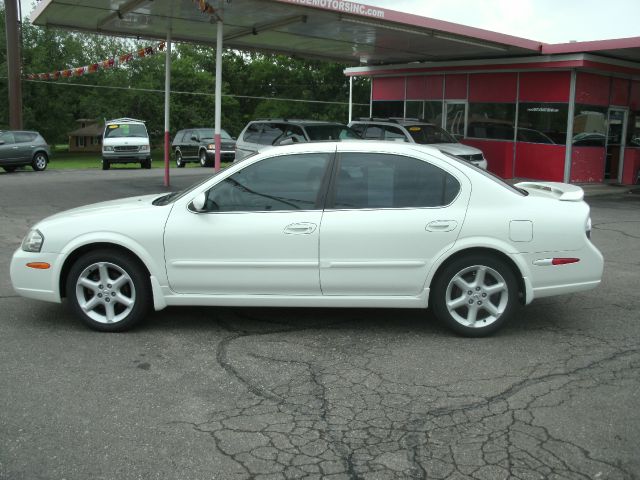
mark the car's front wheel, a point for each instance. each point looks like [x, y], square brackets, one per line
[475, 295]
[146, 164]
[106, 165]
[39, 161]
[179, 160]
[109, 290]
[204, 162]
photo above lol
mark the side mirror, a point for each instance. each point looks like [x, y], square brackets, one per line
[199, 202]
[194, 138]
[1, 142]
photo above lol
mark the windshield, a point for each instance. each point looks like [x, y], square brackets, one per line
[125, 130]
[210, 133]
[429, 134]
[330, 132]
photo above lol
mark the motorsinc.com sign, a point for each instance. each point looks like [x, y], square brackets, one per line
[342, 6]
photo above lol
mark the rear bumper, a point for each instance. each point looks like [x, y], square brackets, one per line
[550, 280]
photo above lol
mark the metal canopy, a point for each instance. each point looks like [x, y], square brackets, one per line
[341, 31]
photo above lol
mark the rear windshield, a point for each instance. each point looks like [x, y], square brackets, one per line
[330, 132]
[125, 130]
[429, 134]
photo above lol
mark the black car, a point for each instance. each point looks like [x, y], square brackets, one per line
[19, 148]
[198, 145]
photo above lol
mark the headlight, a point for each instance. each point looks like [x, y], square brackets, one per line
[33, 241]
[211, 146]
[144, 148]
[107, 149]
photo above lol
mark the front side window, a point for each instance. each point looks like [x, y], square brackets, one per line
[373, 180]
[287, 182]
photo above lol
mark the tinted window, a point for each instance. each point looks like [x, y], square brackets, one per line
[6, 137]
[359, 128]
[395, 134]
[252, 134]
[294, 133]
[549, 119]
[270, 132]
[329, 132]
[373, 132]
[23, 137]
[288, 182]
[125, 130]
[492, 120]
[367, 180]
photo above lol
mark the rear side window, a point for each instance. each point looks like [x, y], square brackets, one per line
[394, 134]
[329, 132]
[373, 132]
[371, 180]
[24, 137]
[358, 128]
[6, 137]
[252, 134]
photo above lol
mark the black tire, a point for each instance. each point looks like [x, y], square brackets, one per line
[106, 165]
[40, 161]
[492, 303]
[9, 169]
[179, 160]
[146, 164]
[134, 287]
[204, 161]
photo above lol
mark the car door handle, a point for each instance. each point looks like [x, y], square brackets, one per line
[441, 226]
[302, 228]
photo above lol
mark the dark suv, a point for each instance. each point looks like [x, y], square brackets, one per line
[198, 145]
[261, 133]
[18, 148]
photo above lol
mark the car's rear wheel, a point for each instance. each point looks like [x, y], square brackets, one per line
[9, 169]
[39, 161]
[106, 165]
[179, 160]
[475, 295]
[108, 290]
[204, 162]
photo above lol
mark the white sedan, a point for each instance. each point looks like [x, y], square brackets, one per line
[350, 224]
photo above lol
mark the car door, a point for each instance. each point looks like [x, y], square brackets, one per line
[8, 148]
[258, 234]
[191, 145]
[388, 218]
[24, 146]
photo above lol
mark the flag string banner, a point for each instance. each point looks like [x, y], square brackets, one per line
[113, 62]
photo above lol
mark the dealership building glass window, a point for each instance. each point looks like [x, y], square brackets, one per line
[430, 111]
[495, 121]
[543, 122]
[385, 109]
[633, 129]
[589, 126]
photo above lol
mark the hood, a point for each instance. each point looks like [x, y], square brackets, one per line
[122, 206]
[119, 141]
[456, 149]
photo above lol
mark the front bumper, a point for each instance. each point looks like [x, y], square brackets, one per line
[125, 157]
[225, 155]
[35, 283]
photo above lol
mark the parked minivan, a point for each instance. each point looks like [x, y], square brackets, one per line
[125, 140]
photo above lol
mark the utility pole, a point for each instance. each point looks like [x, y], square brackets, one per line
[13, 64]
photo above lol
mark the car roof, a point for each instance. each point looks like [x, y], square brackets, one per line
[401, 122]
[297, 122]
[123, 120]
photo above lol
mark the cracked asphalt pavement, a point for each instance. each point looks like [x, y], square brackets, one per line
[256, 393]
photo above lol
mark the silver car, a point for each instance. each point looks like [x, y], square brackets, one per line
[19, 148]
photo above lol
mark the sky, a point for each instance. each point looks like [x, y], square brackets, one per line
[549, 21]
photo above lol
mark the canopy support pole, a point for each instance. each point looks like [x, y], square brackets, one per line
[350, 98]
[167, 98]
[218, 112]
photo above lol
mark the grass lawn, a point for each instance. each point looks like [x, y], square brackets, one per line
[64, 160]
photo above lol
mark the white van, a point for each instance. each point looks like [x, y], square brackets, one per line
[125, 140]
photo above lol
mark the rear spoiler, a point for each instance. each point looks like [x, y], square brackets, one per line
[563, 191]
